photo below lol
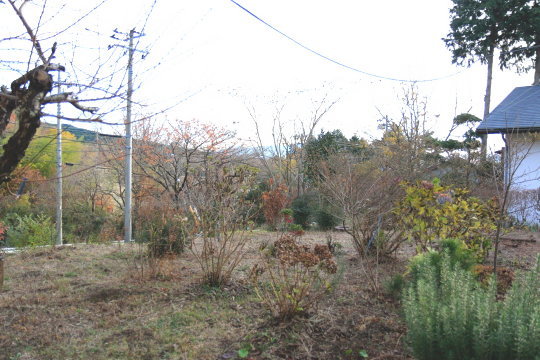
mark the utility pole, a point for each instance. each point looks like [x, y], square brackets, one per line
[58, 168]
[129, 143]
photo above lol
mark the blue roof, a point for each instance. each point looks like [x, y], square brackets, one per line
[518, 112]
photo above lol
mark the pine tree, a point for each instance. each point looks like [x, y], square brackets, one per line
[479, 27]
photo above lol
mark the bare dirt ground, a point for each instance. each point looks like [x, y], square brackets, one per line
[519, 249]
[89, 302]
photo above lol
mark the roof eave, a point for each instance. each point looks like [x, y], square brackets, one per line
[507, 130]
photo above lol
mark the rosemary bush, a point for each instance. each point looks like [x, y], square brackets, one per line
[455, 317]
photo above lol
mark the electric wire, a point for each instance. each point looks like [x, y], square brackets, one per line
[38, 154]
[338, 62]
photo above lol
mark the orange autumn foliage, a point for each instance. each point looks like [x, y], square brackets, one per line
[273, 201]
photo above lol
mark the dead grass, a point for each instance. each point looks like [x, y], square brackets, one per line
[88, 302]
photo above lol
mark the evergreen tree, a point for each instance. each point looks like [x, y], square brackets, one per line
[522, 50]
[477, 28]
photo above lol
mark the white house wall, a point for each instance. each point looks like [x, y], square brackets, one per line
[524, 159]
[523, 170]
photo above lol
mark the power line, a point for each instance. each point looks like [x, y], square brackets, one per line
[79, 171]
[38, 154]
[75, 22]
[335, 61]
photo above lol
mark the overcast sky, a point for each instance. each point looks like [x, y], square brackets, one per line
[214, 59]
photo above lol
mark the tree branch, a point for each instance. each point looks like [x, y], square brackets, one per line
[69, 98]
[29, 31]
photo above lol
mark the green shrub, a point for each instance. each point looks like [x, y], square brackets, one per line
[20, 206]
[303, 209]
[325, 219]
[168, 238]
[456, 250]
[81, 224]
[29, 230]
[394, 285]
[163, 229]
[308, 207]
[430, 212]
[455, 317]
[254, 195]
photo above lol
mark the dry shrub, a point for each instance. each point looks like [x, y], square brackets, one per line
[220, 216]
[273, 202]
[505, 276]
[152, 268]
[366, 196]
[292, 278]
[110, 232]
[161, 231]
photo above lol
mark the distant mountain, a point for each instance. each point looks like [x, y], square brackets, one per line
[86, 135]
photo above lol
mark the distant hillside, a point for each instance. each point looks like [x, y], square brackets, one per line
[86, 135]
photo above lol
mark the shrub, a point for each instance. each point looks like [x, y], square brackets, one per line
[303, 208]
[273, 201]
[81, 224]
[394, 285]
[325, 219]
[456, 251]
[20, 206]
[220, 215]
[309, 207]
[292, 277]
[162, 228]
[3, 230]
[29, 230]
[430, 212]
[455, 317]
[364, 196]
[254, 195]
[168, 238]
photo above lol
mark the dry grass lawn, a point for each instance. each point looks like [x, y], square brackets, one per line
[90, 302]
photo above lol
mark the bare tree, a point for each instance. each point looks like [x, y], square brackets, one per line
[30, 60]
[405, 147]
[172, 155]
[283, 159]
[365, 196]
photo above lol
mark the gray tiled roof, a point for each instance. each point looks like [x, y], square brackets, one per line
[519, 111]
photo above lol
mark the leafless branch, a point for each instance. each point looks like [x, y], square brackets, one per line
[69, 98]
[29, 30]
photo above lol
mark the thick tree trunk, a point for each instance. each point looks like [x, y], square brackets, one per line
[26, 104]
[487, 96]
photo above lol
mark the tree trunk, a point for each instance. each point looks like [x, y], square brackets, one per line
[27, 108]
[487, 96]
[537, 63]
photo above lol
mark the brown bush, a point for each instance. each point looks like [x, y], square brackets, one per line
[293, 277]
[505, 276]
